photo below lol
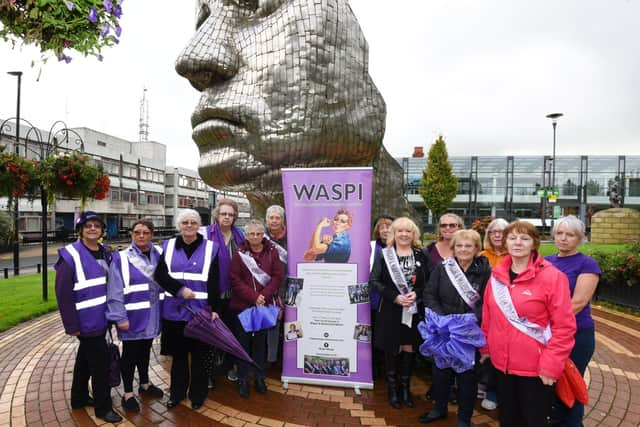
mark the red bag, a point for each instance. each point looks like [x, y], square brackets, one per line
[571, 386]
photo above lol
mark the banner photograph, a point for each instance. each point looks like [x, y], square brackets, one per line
[327, 310]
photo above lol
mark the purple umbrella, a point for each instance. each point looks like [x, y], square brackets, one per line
[215, 333]
[257, 318]
[451, 339]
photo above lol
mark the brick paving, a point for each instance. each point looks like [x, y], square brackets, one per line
[36, 363]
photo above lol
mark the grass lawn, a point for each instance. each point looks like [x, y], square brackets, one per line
[21, 299]
[587, 248]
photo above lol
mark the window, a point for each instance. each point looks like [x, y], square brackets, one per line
[102, 143]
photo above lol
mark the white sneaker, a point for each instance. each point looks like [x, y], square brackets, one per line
[232, 375]
[489, 405]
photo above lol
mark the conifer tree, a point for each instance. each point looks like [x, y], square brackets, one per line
[439, 184]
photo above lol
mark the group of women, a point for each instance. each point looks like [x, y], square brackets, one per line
[148, 290]
[526, 306]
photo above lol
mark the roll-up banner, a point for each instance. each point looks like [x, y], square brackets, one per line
[327, 327]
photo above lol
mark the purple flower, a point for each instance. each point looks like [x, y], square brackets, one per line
[118, 30]
[64, 58]
[105, 30]
[69, 4]
[107, 5]
[100, 58]
[117, 11]
[93, 15]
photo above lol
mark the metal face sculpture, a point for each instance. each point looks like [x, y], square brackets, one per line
[284, 83]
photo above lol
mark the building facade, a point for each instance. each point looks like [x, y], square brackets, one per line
[515, 186]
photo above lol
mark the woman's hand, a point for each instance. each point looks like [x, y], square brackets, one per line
[547, 380]
[187, 293]
[124, 325]
[260, 300]
[483, 357]
[406, 300]
[324, 222]
[214, 315]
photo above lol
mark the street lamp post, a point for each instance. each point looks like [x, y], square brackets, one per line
[554, 121]
[16, 212]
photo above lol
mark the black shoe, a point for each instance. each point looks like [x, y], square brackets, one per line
[110, 417]
[405, 393]
[172, 403]
[431, 416]
[195, 406]
[243, 388]
[152, 391]
[261, 387]
[88, 402]
[130, 404]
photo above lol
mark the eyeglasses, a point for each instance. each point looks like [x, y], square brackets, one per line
[256, 234]
[141, 233]
[92, 225]
[452, 225]
[189, 222]
[231, 214]
[497, 232]
[341, 221]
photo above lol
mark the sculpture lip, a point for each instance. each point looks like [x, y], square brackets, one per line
[220, 114]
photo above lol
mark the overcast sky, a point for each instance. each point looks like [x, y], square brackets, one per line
[483, 73]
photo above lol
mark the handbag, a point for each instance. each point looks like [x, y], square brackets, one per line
[113, 352]
[257, 318]
[571, 386]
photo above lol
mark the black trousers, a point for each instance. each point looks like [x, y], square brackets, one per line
[467, 391]
[255, 344]
[92, 362]
[189, 377]
[524, 401]
[135, 354]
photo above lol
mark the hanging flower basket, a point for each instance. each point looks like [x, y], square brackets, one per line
[17, 177]
[58, 26]
[73, 176]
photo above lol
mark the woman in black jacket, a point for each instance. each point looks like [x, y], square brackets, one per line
[399, 274]
[466, 274]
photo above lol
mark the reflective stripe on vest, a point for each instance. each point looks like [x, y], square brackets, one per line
[201, 277]
[91, 302]
[82, 282]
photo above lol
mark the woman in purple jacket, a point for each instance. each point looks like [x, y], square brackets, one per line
[81, 291]
[133, 304]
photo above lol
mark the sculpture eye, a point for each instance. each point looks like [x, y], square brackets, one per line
[256, 8]
[203, 13]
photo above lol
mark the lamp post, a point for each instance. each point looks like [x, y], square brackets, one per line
[554, 121]
[16, 212]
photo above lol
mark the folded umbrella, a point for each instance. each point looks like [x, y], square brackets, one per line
[215, 333]
[259, 317]
[451, 339]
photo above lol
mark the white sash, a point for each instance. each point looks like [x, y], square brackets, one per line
[391, 259]
[282, 252]
[262, 277]
[460, 282]
[503, 299]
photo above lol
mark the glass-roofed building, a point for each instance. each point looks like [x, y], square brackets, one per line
[514, 186]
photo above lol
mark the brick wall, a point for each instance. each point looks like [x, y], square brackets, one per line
[616, 225]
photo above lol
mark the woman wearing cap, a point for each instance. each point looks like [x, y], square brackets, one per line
[529, 325]
[133, 303]
[399, 273]
[81, 291]
[191, 262]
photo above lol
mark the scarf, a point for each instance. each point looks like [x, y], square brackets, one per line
[224, 257]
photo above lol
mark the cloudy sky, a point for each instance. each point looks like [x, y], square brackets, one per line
[483, 73]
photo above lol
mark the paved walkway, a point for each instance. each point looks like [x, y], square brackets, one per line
[36, 362]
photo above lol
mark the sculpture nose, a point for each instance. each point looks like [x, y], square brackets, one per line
[211, 55]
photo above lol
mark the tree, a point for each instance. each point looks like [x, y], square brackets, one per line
[439, 184]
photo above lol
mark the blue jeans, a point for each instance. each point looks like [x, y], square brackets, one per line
[580, 355]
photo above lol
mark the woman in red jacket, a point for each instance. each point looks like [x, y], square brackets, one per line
[529, 325]
[256, 273]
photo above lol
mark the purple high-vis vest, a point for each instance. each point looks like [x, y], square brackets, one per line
[137, 298]
[89, 287]
[191, 272]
